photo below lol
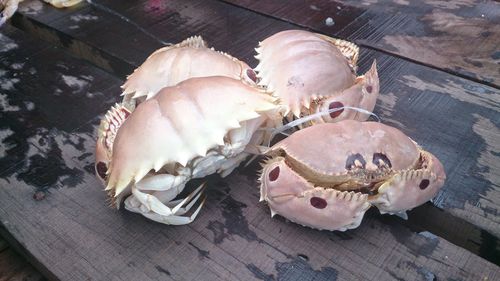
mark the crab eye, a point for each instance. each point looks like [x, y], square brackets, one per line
[381, 159]
[101, 169]
[339, 109]
[355, 160]
[252, 75]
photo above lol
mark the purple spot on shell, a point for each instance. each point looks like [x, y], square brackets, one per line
[274, 174]
[424, 184]
[101, 169]
[251, 74]
[336, 105]
[318, 203]
[369, 89]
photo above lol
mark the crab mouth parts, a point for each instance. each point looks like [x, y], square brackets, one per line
[357, 179]
[364, 182]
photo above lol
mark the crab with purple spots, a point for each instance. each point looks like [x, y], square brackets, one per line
[347, 167]
[190, 111]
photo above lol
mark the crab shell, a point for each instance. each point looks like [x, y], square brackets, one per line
[311, 72]
[326, 176]
[165, 67]
[178, 124]
[173, 64]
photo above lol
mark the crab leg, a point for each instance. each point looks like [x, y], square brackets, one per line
[175, 220]
[230, 164]
[183, 210]
[167, 187]
[170, 213]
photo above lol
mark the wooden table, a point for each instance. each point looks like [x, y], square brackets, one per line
[439, 66]
[14, 268]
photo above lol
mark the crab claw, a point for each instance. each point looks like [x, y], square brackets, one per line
[411, 188]
[363, 94]
[317, 207]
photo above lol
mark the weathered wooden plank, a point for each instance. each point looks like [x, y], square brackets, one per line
[76, 236]
[68, 228]
[58, 92]
[10, 264]
[448, 116]
[417, 99]
[13, 267]
[28, 273]
[144, 25]
[3, 244]
[460, 37]
[101, 23]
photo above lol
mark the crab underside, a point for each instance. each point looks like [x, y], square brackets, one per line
[146, 156]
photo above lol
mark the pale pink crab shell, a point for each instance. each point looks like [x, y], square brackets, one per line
[329, 146]
[189, 59]
[179, 123]
[325, 149]
[309, 71]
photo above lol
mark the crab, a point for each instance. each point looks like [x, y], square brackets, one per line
[326, 176]
[172, 64]
[313, 73]
[165, 67]
[181, 133]
[9, 7]
[135, 167]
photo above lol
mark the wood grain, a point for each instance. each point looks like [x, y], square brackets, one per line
[437, 109]
[51, 202]
[461, 37]
[76, 236]
[13, 267]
